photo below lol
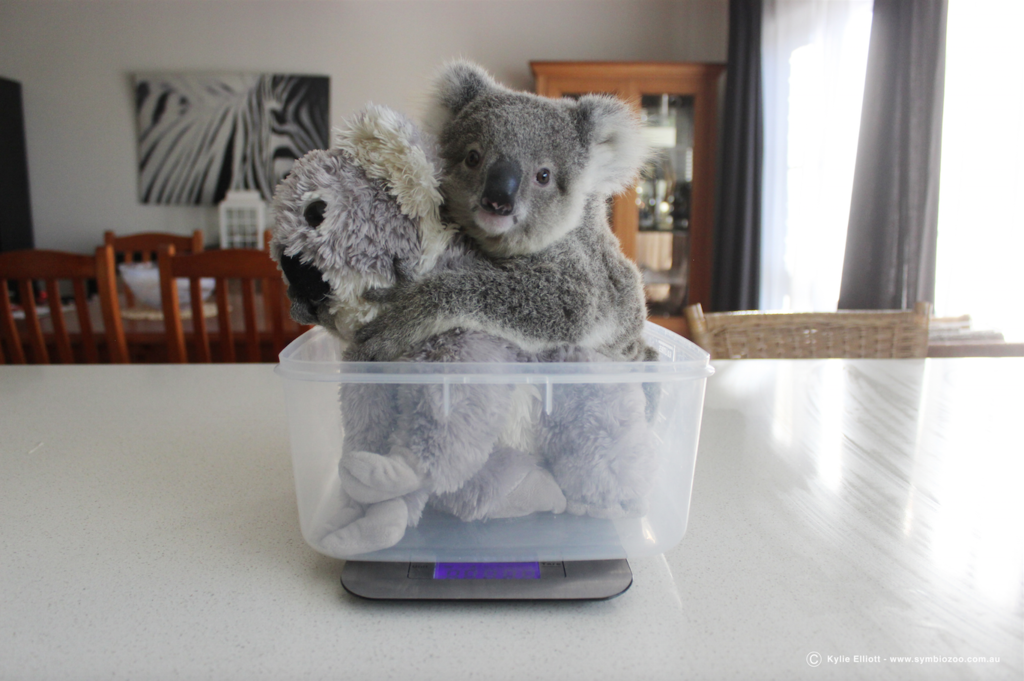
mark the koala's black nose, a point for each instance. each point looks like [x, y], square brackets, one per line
[305, 282]
[500, 187]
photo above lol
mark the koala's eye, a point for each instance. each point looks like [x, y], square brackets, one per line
[314, 213]
[473, 159]
[543, 176]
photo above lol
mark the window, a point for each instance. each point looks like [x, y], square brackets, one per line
[814, 57]
[981, 221]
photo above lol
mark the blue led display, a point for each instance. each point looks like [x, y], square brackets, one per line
[487, 571]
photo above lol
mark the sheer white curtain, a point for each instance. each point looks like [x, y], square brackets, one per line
[981, 225]
[814, 56]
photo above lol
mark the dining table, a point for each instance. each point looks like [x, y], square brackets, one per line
[850, 519]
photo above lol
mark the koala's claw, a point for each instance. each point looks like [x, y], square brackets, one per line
[371, 478]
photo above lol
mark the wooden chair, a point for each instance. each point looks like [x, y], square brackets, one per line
[49, 268]
[245, 265]
[795, 335]
[142, 247]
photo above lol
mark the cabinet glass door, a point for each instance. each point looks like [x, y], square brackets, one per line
[663, 196]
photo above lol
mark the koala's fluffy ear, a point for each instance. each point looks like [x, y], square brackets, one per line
[612, 131]
[458, 84]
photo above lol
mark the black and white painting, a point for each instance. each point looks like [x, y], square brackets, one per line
[202, 134]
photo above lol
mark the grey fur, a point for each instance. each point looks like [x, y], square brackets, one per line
[402, 448]
[554, 273]
[375, 233]
[506, 474]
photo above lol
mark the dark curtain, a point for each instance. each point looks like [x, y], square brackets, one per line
[736, 274]
[890, 245]
[16, 211]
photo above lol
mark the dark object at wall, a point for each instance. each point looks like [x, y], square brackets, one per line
[15, 207]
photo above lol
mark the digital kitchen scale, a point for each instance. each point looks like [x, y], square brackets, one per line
[542, 581]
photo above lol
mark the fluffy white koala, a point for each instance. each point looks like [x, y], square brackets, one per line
[347, 217]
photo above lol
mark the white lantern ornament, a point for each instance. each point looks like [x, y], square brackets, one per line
[242, 220]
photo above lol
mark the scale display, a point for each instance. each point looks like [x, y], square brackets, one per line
[487, 571]
[530, 580]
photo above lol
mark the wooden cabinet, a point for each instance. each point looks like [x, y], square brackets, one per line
[665, 224]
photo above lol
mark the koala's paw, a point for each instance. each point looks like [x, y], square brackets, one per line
[381, 294]
[385, 348]
[536, 493]
[371, 478]
[382, 526]
[374, 328]
[404, 271]
[382, 340]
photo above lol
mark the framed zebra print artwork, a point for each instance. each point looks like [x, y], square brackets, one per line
[202, 134]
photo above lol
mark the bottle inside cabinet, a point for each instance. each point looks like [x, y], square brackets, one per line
[663, 202]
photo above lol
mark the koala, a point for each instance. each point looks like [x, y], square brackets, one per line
[527, 180]
[357, 217]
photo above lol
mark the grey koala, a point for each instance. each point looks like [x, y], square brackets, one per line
[527, 179]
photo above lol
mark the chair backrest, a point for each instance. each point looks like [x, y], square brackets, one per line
[49, 268]
[142, 247]
[246, 266]
[796, 335]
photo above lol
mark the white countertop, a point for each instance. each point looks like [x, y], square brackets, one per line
[852, 509]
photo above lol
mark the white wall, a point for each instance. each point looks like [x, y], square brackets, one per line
[73, 60]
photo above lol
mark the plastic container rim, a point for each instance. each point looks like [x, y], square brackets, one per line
[694, 367]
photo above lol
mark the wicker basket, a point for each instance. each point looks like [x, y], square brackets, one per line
[796, 335]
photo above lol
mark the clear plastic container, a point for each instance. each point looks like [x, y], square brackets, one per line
[313, 373]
